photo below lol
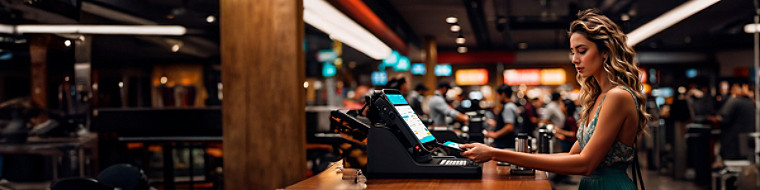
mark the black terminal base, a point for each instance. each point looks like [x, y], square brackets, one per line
[388, 158]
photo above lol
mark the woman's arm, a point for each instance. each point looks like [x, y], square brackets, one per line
[576, 162]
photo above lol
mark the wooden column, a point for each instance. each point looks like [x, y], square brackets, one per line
[431, 59]
[263, 71]
[38, 49]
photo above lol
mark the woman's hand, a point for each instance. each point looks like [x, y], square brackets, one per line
[477, 152]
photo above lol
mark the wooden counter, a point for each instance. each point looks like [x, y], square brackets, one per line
[494, 177]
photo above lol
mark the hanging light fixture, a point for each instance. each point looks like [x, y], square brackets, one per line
[455, 28]
[462, 49]
[451, 20]
[460, 40]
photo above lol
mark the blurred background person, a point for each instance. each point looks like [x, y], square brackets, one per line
[439, 108]
[701, 103]
[530, 115]
[737, 117]
[416, 97]
[566, 136]
[553, 114]
[504, 132]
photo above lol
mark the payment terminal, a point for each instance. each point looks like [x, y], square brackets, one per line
[395, 110]
[400, 145]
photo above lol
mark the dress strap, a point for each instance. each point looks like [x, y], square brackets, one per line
[596, 115]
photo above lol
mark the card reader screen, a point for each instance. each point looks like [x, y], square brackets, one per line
[396, 99]
[414, 122]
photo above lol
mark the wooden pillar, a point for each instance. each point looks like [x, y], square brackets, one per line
[263, 71]
[431, 59]
[38, 49]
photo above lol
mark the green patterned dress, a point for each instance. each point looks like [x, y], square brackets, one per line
[611, 173]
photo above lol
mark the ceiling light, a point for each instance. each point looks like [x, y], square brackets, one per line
[451, 20]
[625, 17]
[460, 40]
[7, 29]
[173, 30]
[210, 18]
[668, 19]
[325, 17]
[455, 28]
[751, 28]
[522, 45]
[175, 48]
[67, 43]
[462, 49]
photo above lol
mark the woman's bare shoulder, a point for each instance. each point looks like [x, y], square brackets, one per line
[620, 97]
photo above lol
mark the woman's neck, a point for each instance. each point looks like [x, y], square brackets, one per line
[603, 82]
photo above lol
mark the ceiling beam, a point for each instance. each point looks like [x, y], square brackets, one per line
[478, 22]
[360, 12]
[191, 45]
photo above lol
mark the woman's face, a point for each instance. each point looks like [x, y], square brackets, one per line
[585, 55]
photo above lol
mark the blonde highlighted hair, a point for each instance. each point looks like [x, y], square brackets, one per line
[620, 67]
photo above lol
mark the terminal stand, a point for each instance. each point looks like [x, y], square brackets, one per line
[388, 158]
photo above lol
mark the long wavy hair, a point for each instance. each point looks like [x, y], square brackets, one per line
[620, 67]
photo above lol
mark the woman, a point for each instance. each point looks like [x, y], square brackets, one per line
[612, 110]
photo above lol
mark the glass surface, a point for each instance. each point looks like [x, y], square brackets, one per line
[418, 128]
[396, 99]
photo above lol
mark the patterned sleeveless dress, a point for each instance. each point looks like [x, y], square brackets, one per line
[611, 172]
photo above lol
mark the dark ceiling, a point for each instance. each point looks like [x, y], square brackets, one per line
[486, 24]
[542, 24]
[200, 44]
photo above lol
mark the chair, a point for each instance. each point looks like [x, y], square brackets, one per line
[79, 183]
[125, 177]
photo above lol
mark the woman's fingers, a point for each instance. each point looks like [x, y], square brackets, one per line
[467, 146]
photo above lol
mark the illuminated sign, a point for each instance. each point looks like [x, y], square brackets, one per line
[379, 78]
[465, 77]
[645, 88]
[328, 70]
[392, 60]
[552, 76]
[532, 77]
[326, 55]
[642, 75]
[442, 70]
[691, 73]
[418, 69]
[516, 77]
[403, 64]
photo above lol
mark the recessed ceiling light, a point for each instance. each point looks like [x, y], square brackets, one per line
[175, 48]
[451, 20]
[751, 28]
[462, 49]
[625, 17]
[460, 40]
[522, 45]
[67, 43]
[455, 28]
[210, 18]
